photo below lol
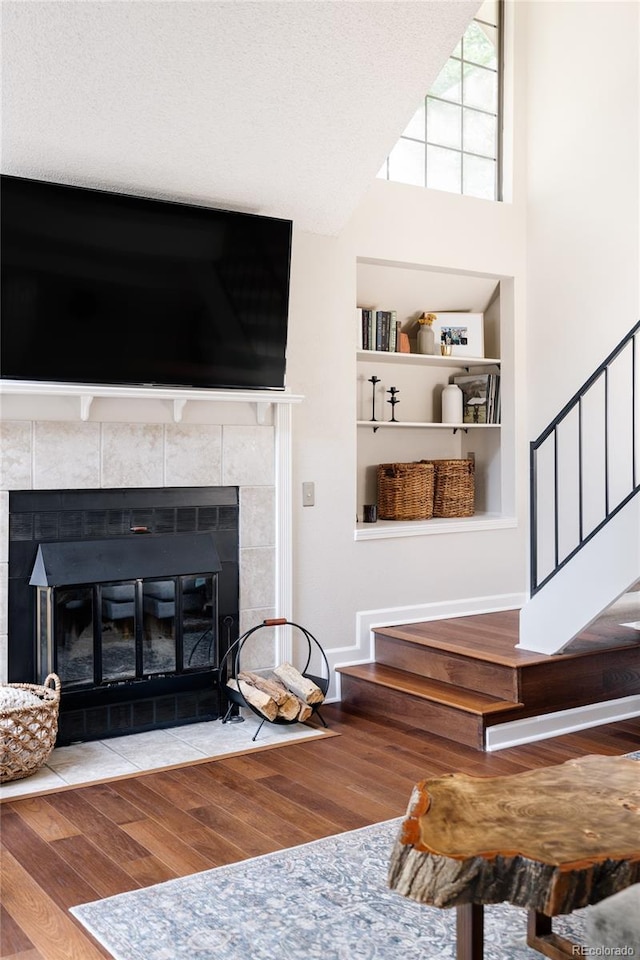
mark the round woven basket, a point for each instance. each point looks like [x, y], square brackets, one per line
[28, 733]
[405, 491]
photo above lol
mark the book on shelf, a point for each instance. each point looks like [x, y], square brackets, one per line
[480, 397]
[378, 330]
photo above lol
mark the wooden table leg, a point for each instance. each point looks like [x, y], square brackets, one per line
[541, 937]
[470, 931]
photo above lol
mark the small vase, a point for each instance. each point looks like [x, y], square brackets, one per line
[452, 404]
[426, 340]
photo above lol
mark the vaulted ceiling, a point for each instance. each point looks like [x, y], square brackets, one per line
[282, 108]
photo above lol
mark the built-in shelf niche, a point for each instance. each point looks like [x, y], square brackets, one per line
[412, 289]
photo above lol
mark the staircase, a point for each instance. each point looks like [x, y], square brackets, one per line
[584, 504]
[460, 677]
[466, 677]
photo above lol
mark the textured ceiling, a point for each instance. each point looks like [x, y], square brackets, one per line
[282, 108]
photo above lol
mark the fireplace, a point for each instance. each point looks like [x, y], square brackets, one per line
[130, 596]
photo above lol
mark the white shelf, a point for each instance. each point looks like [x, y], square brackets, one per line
[397, 425]
[388, 529]
[424, 359]
[419, 381]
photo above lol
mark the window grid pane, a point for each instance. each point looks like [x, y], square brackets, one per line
[479, 133]
[478, 177]
[416, 128]
[444, 169]
[459, 119]
[444, 123]
[448, 83]
[406, 162]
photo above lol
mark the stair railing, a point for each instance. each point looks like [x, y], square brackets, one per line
[615, 377]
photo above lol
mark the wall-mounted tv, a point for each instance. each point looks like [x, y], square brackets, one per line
[105, 288]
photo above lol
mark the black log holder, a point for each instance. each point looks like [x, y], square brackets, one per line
[233, 714]
[233, 658]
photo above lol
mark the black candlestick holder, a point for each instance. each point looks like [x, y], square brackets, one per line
[373, 380]
[393, 391]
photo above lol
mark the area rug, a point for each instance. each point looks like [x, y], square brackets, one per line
[324, 900]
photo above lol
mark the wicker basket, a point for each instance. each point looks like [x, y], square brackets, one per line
[454, 488]
[405, 491]
[29, 732]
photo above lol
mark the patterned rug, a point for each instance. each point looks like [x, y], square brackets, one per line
[325, 900]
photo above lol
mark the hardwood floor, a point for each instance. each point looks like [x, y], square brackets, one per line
[93, 842]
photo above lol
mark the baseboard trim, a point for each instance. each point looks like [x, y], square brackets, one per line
[517, 732]
[368, 620]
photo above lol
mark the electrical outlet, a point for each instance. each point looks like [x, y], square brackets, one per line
[308, 494]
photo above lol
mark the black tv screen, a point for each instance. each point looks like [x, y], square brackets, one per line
[103, 288]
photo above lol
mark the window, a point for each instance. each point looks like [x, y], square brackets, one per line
[453, 140]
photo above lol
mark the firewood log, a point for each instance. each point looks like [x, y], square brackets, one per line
[275, 688]
[303, 688]
[288, 703]
[291, 708]
[265, 704]
[305, 710]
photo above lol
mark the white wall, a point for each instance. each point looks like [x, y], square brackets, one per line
[583, 247]
[583, 113]
[569, 238]
[336, 578]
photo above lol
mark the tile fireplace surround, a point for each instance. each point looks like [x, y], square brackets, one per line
[62, 437]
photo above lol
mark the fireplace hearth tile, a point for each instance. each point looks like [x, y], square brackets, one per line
[132, 455]
[193, 455]
[257, 576]
[248, 456]
[45, 780]
[98, 761]
[77, 764]
[15, 462]
[154, 748]
[66, 455]
[257, 516]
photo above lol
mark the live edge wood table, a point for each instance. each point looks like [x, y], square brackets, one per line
[551, 840]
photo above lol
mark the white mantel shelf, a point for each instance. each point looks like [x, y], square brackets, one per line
[180, 396]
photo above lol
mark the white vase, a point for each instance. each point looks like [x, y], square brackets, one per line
[426, 340]
[452, 404]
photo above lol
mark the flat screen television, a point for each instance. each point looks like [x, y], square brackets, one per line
[105, 288]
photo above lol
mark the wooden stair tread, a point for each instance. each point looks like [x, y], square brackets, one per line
[446, 694]
[492, 638]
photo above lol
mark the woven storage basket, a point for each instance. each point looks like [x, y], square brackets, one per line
[454, 488]
[29, 732]
[405, 491]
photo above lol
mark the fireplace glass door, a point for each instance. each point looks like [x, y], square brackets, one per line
[129, 630]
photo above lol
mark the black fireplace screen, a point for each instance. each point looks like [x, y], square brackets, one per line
[128, 630]
[130, 596]
[160, 621]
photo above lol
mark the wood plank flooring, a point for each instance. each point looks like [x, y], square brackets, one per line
[92, 842]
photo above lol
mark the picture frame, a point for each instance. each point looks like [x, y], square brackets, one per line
[464, 331]
[475, 397]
